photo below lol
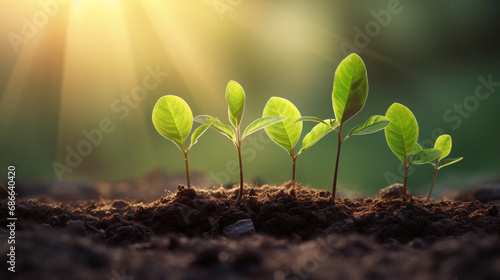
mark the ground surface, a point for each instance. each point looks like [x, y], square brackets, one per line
[299, 234]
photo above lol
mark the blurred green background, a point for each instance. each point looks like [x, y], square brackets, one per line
[67, 66]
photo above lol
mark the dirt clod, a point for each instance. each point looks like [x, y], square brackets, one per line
[119, 204]
[393, 191]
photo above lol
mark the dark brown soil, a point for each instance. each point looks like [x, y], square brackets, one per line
[299, 234]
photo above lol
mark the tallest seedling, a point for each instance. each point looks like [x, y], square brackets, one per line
[350, 90]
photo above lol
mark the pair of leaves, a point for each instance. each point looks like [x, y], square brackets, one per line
[443, 144]
[402, 134]
[235, 96]
[173, 119]
[372, 124]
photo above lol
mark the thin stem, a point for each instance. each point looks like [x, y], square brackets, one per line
[294, 159]
[187, 169]
[334, 188]
[406, 179]
[241, 170]
[433, 181]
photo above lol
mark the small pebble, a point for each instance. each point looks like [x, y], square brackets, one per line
[416, 243]
[77, 227]
[239, 228]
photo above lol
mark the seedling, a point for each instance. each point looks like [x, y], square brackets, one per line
[402, 134]
[235, 96]
[350, 90]
[287, 132]
[443, 144]
[173, 119]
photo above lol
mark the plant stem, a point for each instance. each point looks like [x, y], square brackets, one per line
[240, 194]
[406, 179]
[294, 159]
[433, 181]
[334, 188]
[187, 169]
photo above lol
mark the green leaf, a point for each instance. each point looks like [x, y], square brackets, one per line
[224, 130]
[317, 132]
[373, 124]
[443, 143]
[173, 119]
[261, 123]
[287, 132]
[449, 161]
[415, 150]
[315, 119]
[425, 156]
[203, 118]
[350, 88]
[235, 96]
[402, 133]
[218, 126]
[200, 130]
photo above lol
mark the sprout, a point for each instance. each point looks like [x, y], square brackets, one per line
[235, 96]
[173, 119]
[402, 135]
[443, 144]
[350, 90]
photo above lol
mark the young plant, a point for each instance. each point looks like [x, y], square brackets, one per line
[402, 134]
[443, 144]
[350, 90]
[287, 132]
[235, 96]
[173, 119]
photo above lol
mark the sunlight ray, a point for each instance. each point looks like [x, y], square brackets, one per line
[90, 62]
[15, 91]
[190, 58]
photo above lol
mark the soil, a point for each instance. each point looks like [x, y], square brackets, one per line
[298, 234]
